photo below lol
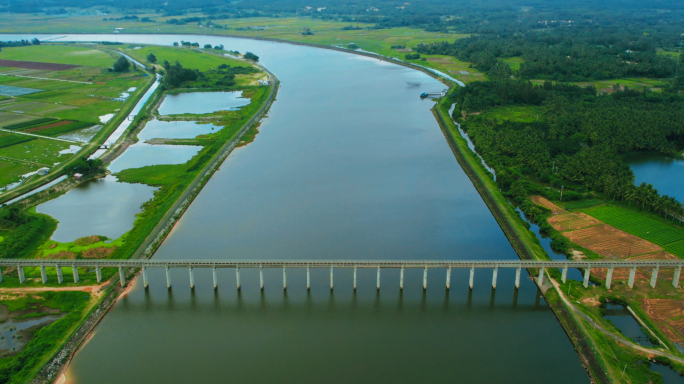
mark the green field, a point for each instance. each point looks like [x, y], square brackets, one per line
[527, 114]
[186, 56]
[513, 62]
[60, 54]
[637, 224]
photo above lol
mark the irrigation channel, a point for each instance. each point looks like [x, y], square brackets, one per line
[349, 164]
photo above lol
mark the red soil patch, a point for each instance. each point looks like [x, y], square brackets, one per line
[35, 65]
[570, 221]
[668, 316]
[643, 275]
[547, 204]
[98, 253]
[403, 50]
[61, 255]
[42, 127]
[87, 240]
[611, 242]
[438, 60]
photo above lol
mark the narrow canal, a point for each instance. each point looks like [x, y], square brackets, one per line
[349, 163]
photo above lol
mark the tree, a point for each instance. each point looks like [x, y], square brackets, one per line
[207, 46]
[219, 47]
[35, 42]
[152, 58]
[251, 56]
[121, 65]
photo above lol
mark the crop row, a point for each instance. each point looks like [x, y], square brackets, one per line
[637, 224]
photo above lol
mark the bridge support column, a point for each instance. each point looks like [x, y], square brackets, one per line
[60, 278]
[122, 276]
[587, 272]
[675, 277]
[494, 275]
[448, 279]
[43, 274]
[355, 278]
[609, 277]
[192, 278]
[308, 278]
[22, 278]
[261, 276]
[517, 278]
[401, 279]
[331, 277]
[564, 276]
[425, 278]
[284, 278]
[213, 275]
[144, 273]
[472, 277]
[378, 279]
[237, 278]
[74, 269]
[632, 273]
[540, 277]
[654, 276]
[168, 278]
[98, 273]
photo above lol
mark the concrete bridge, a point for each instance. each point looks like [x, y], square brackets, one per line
[448, 265]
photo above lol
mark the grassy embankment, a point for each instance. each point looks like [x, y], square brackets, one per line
[62, 106]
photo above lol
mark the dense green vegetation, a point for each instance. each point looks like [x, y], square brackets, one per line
[574, 140]
[23, 232]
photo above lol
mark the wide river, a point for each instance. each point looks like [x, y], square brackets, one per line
[349, 164]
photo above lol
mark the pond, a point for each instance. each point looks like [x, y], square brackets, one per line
[157, 129]
[103, 207]
[202, 102]
[143, 154]
[12, 335]
[626, 323]
[665, 173]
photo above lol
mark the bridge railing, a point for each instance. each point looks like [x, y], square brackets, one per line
[610, 265]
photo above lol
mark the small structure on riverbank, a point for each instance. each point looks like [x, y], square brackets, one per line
[78, 176]
[43, 171]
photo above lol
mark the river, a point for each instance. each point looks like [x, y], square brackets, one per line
[349, 164]
[665, 173]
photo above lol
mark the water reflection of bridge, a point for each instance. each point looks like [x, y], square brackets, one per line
[537, 265]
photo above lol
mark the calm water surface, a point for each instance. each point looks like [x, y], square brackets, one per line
[142, 154]
[201, 102]
[349, 164]
[157, 129]
[103, 207]
[665, 173]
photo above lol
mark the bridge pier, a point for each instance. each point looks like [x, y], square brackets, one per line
[308, 278]
[74, 269]
[60, 278]
[494, 275]
[98, 273]
[192, 278]
[43, 274]
[401, 279]
[609, 277]
[632, 273]
[331, 278]
[261, 277]
[378, 279]
[213, 275]
[675, 278]
[168, 278]
[425, 278]
[20, 271]
[448, 278]
[122, 276]
[472, 276]
[284, 278]
[144, 273]
[540, 277]
[587, 272]
[237, 277]
[355, 278]
[654, 276]
[564, 277]
[517, 278]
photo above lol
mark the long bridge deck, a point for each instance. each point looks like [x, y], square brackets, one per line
[122, 265]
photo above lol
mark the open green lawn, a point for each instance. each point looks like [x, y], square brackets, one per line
[527, 114]
[658, 232]
[60, 54]
[513, 62]
[631, 82]
[41, 151]
[189, 58]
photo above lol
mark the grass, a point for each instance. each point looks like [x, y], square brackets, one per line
[59, 54]
[513, 62]
[186, 56]
[637, 224]
[526, 114]
[607, 85]
[42, 151]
